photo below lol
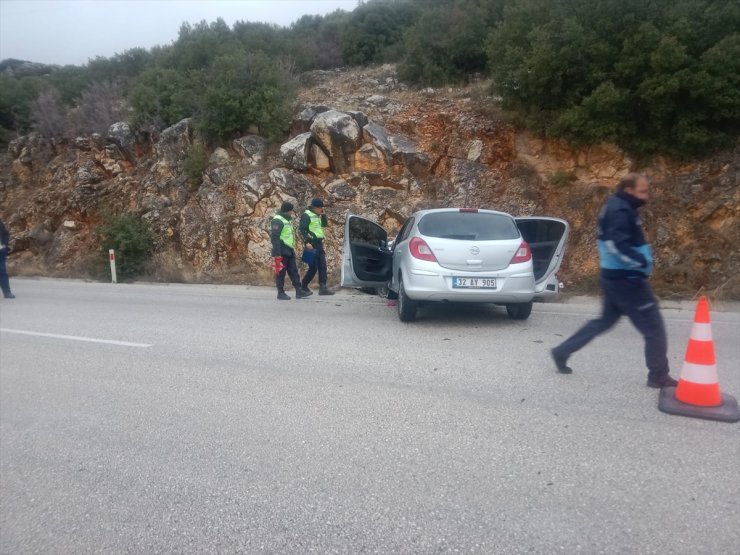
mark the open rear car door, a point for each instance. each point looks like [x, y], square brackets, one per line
[366, 259]
[546, 238]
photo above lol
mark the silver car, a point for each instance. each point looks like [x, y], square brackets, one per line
[457, 255]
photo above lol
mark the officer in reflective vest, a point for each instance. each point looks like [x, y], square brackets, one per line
[311, 227]
[282, 237]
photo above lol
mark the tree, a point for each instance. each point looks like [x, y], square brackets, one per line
[100, 106]
[48, 114]
[243, 90]
[643, 74]
[373, 30]
[162, 97]
[446, 43]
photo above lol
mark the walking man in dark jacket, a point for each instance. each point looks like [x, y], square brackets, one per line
[4, 249]
[626, 263]
[282, 237]
[313, 222]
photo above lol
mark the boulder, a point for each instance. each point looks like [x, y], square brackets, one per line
[359, 117]
[292, 183]
[378, 137]
[120, 134]
[294, 153]
[378, 100]
[175, 141]
[302, 122]
[405, 152]
[318, 158]
[251, 147]
[339, 136]
[370, 158]
[340, 190]
[219, 157]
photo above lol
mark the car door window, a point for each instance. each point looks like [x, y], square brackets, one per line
[405, 232]
[365, 232]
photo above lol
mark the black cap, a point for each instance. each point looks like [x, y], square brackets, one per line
[317, 202]
[286, 207]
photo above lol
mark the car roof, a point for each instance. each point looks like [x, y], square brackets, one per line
[420, 213]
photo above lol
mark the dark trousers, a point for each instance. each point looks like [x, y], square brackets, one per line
[633, 298]
[319, 263]
[292, 270]
[4, 280]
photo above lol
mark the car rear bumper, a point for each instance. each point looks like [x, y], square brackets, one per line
[422, 285]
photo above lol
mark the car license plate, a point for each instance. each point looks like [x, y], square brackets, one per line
[473, 283]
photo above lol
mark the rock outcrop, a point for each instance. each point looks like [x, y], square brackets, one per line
[368, 145]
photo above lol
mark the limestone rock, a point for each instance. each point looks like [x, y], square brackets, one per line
[294, 153]
[292, 183]
[251, 147]
[121, 135]
[220, 156]
[339, 135]
[175, 141]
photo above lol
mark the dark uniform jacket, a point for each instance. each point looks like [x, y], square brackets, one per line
[623, 250]
[4, 236]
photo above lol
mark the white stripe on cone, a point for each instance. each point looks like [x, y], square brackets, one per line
[701, 332]
[699, 373]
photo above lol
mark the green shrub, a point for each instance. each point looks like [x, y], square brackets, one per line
[196, 163]
[131, 238]
[653, 77]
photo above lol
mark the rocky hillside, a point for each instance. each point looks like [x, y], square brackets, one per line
[371, 146]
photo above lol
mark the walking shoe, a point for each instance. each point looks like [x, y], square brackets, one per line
[9, 296]
[283, 297]
[307, 290]
[560, 362]
[663, 381]
[301, 294]
[325, 291]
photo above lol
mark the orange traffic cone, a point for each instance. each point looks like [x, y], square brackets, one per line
[698, 391]
[699, 384]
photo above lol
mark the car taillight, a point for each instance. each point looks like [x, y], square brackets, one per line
[523, 254]
[419, 249]
[473, 210]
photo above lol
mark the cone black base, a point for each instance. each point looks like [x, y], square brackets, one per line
[728, 411]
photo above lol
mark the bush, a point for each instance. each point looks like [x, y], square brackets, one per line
[243, 90]
[196, 162]
[132, 240]
[100, 106]
[48, 114]
[661, 76]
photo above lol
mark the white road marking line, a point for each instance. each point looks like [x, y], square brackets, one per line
[76, 338]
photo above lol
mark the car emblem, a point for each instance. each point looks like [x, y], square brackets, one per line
[474, 250]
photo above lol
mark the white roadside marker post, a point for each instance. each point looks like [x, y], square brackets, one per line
[112, 258]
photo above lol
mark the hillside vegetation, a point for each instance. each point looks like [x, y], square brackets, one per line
[658, 77]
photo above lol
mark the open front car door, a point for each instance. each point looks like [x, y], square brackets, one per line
[366, 259]
[546, 238]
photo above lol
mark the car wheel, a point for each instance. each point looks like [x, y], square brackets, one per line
[519, 311]
[406, 307]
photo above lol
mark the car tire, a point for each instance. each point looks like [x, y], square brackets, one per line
[519, 311]
[406, 307]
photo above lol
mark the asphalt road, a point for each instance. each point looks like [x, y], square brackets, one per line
[215, 419]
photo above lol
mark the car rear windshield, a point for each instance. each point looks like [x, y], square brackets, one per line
[468, 226]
